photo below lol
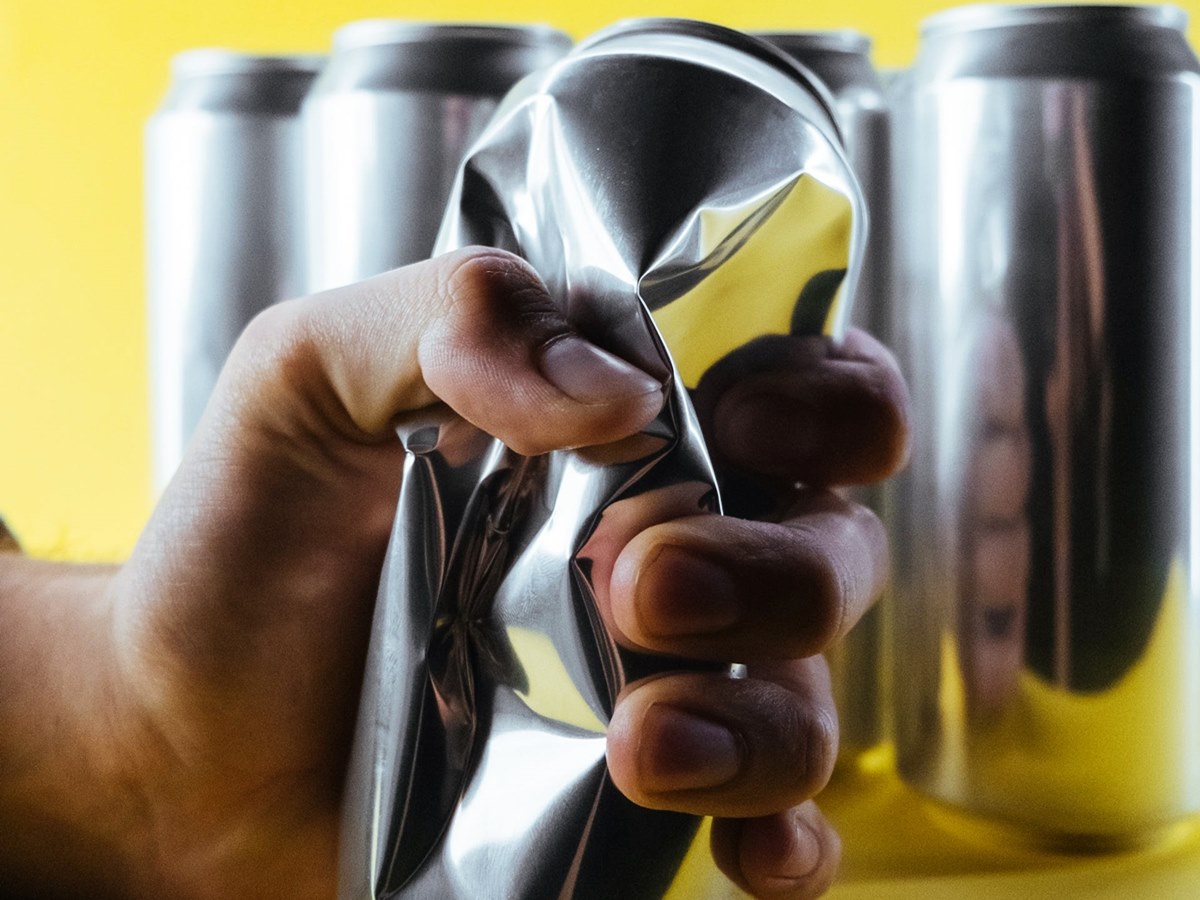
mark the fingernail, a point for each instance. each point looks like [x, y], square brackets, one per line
[680, 751]
[587, 374]
[686, 594]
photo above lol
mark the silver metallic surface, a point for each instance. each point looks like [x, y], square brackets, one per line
[841, 59]
[223, 222]
[386, 127]
[1048, 654]
[677, 186]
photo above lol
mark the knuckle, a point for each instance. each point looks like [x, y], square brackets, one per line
[277, 340]
[812, 733]
[828, 586]
[267, 326]
[485, 274]
[470, 273]
[795, 743]
[500, 292]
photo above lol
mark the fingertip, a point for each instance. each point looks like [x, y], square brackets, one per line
[895, 403]
[635, 557]
[792, 855]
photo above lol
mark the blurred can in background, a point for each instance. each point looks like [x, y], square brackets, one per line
[1048, 645]
[841, 59]
[223, 222]
[386, 127]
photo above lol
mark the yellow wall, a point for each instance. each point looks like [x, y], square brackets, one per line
[77, 81]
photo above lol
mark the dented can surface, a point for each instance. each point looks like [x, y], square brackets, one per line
[1048, 654]
[223, 222]
[841, 59]
[386, 127]
[679, 221]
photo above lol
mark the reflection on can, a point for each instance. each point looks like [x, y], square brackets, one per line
[1048, 654]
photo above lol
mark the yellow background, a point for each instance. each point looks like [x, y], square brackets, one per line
[77, 82]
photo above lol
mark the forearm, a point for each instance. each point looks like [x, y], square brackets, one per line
[66, 819]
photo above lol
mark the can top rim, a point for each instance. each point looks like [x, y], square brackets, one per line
[840, 40]
[384, 32]
[207, 61]
[754, 46]
[994, 15]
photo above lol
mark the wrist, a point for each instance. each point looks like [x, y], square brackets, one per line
[68, 809]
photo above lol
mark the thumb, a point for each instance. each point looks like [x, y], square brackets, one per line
[475, 329]
[265, 549]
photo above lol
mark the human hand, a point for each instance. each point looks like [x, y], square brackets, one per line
[222, 663]
[787, 420]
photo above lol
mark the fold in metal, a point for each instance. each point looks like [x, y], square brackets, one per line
[682, 191]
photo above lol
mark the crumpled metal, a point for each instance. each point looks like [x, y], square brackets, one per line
[682, 191]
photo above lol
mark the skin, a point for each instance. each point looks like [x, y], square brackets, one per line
[179, 726]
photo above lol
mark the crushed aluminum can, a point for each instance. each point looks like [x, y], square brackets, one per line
[682, 191]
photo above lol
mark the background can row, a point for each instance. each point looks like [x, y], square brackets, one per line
[266, 180]
[1044, 183]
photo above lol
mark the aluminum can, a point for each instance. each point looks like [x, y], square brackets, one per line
[223, 222]
[1048, 647]
[841, 59]
[386, 127]
[681, 244]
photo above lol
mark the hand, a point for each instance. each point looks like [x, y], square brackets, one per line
[202, 697]
[787, 418]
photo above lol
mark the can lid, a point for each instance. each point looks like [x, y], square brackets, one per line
[843, 40]
[992, 15]
[208, 61]
[385, 32]
[738, 40]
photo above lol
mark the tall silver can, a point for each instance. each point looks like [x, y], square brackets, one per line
[386, 126]
[841, 59]
[1048, 651]
[223, 222]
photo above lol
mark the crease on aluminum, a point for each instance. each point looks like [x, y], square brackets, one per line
[678, 221]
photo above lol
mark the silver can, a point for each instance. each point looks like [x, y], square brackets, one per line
[386, 127]
[676, 242]
[1048, 648]
[223, 222]
[841, 59]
